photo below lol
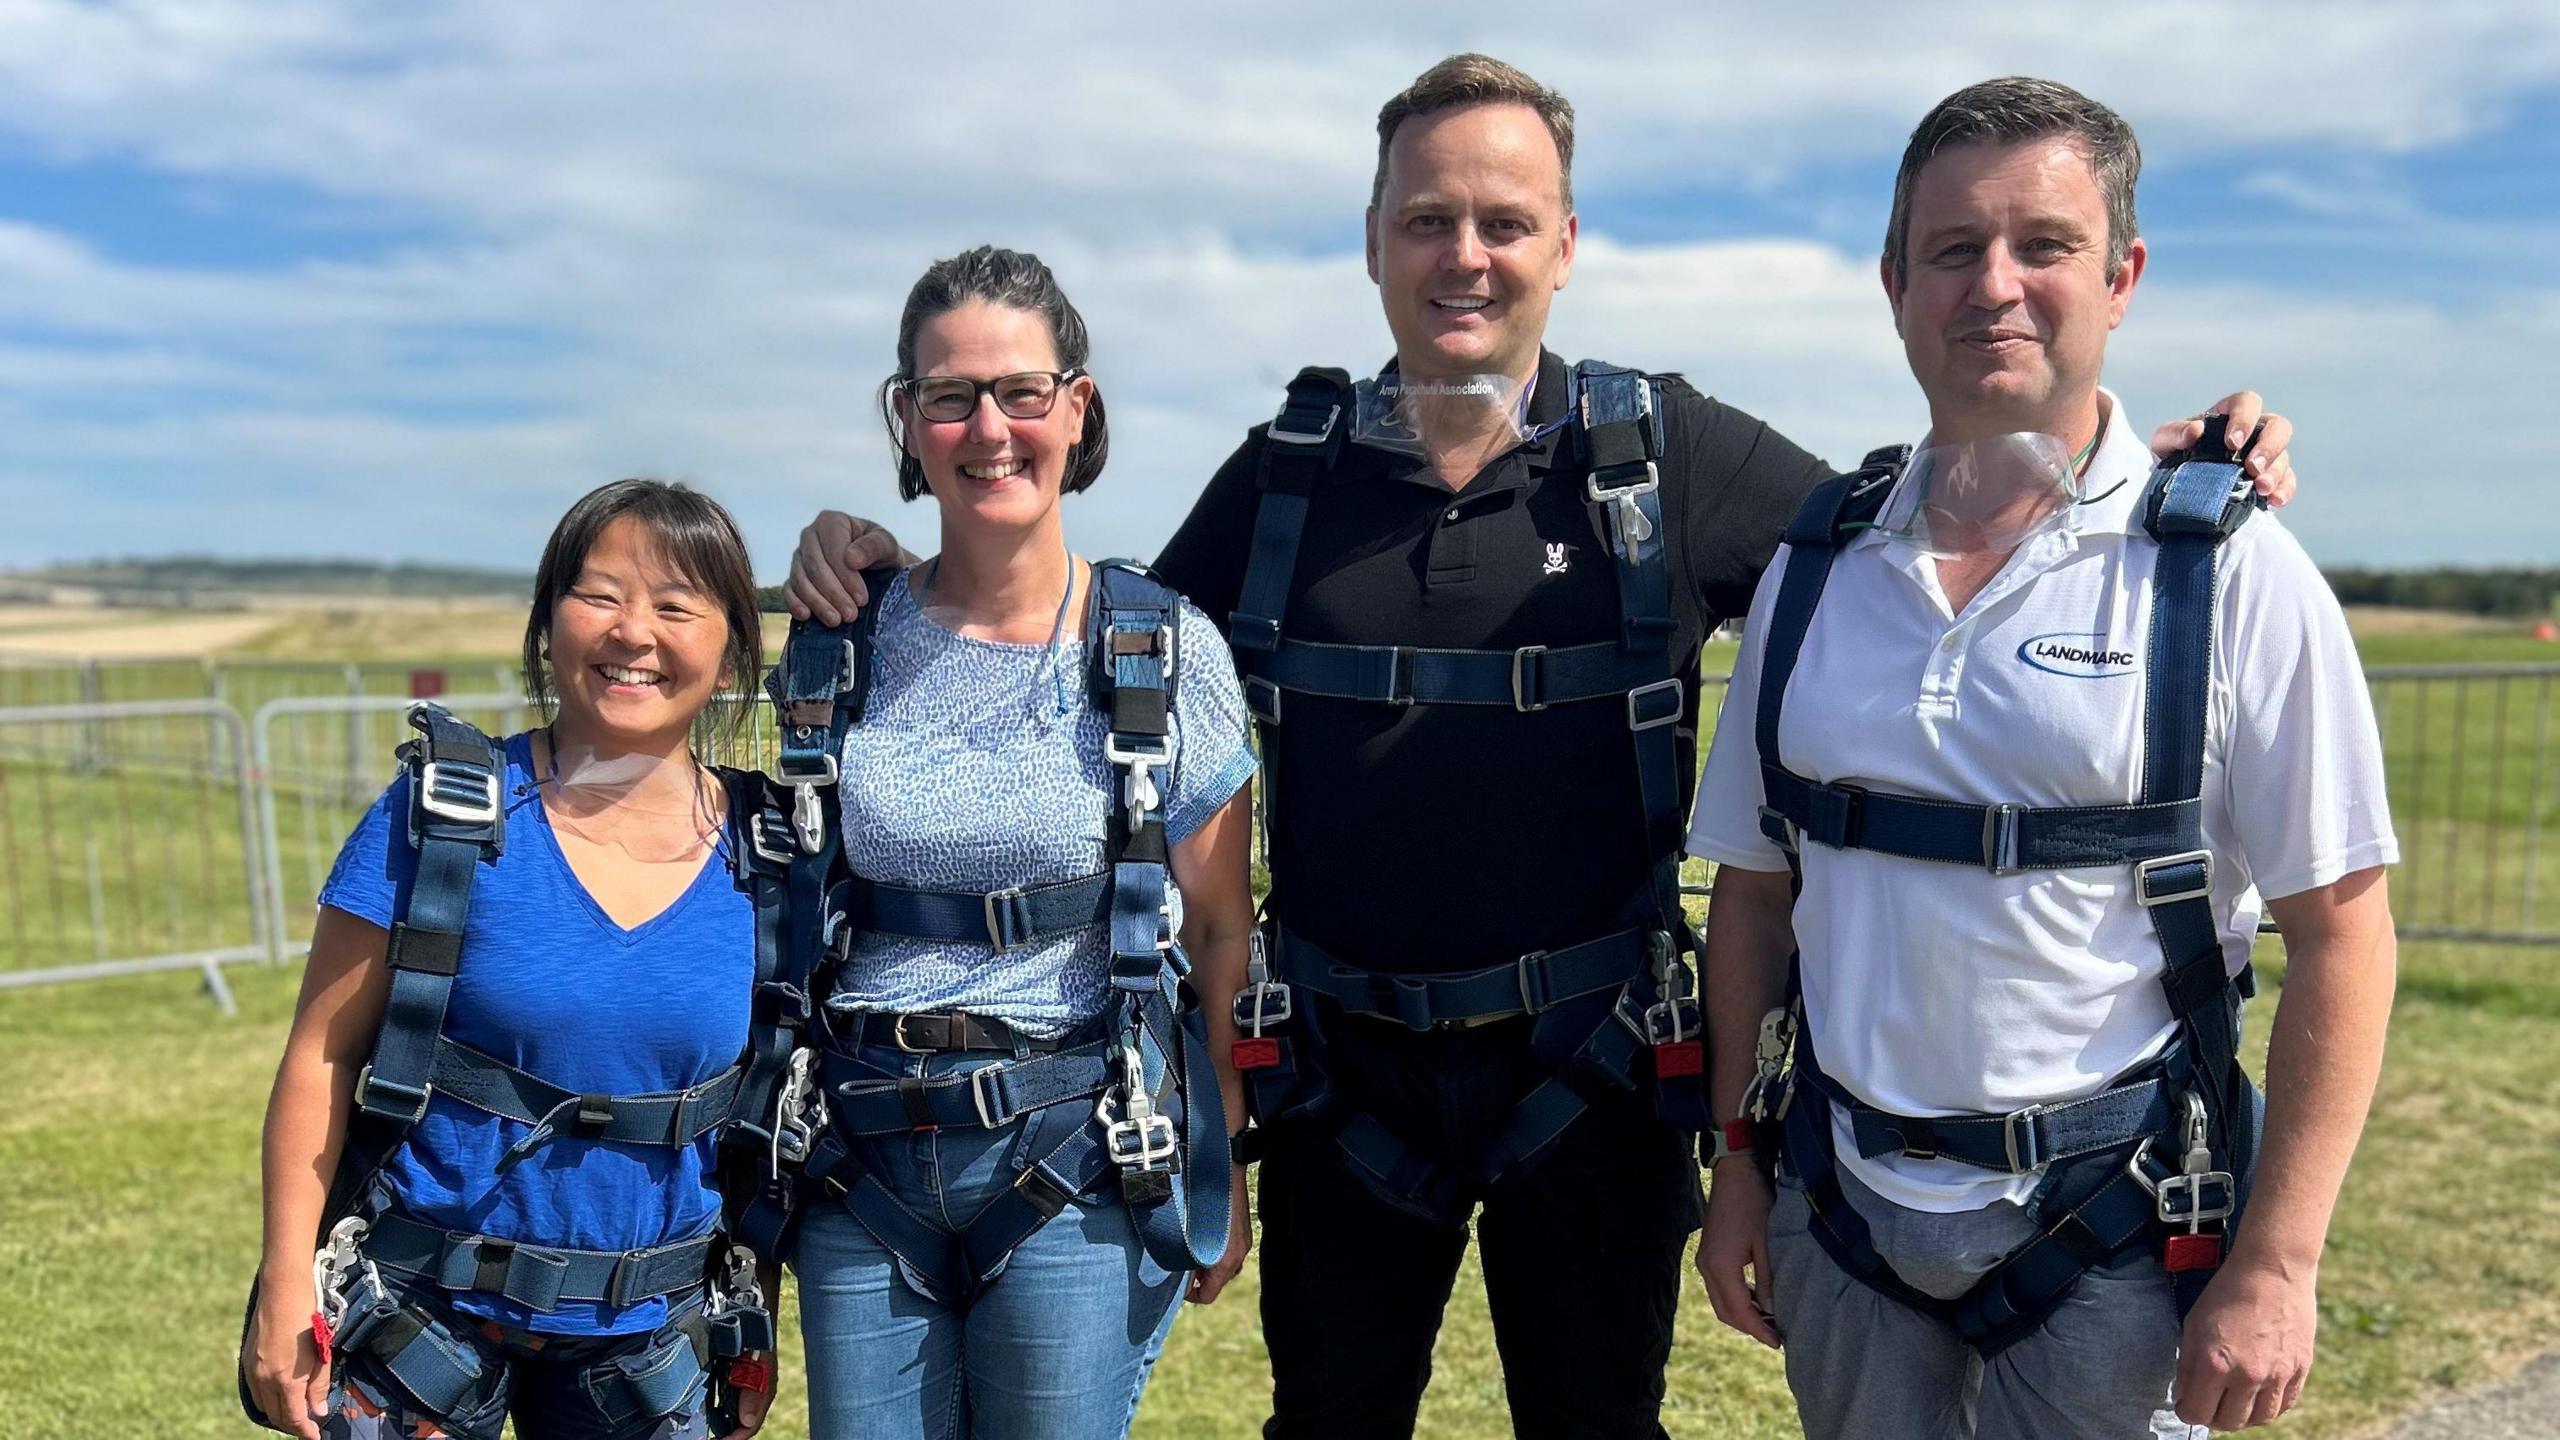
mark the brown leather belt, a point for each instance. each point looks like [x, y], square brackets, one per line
[920, 1034]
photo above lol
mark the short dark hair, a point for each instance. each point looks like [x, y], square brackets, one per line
[695, 534]
[1473, 79]
[994, 276]
[2007, 111]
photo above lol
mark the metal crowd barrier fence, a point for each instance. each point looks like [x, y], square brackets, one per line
[134, 866]
[2475, 786]
[243, 685]
[143, 836]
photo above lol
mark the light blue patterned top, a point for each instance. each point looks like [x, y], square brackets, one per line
[979, 765]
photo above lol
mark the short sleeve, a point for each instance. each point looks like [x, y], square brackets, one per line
[2301, 755]
[1205, 558]
[1215, 758]
[375, 867]
[1725, 826]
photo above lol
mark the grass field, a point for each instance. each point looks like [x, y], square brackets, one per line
[128, 1224]
[127, 1158]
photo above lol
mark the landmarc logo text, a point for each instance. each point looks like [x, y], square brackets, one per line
[2083, 657]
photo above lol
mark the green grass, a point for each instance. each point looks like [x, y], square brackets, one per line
[128, 1156]
[128, 1225]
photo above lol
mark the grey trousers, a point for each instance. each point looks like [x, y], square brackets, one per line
[1865, 1367]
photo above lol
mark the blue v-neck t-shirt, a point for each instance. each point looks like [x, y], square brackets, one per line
[552, 985]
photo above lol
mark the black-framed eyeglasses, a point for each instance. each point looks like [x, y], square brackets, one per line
[1024, 395]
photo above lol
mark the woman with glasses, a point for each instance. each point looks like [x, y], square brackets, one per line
[978, 766]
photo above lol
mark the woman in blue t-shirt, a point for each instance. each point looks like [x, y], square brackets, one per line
[607, 953]
[978, 766]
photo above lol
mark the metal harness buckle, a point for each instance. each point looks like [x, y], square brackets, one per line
[2000, 839]
[982, 1097]
[367, 1084]
[1633, 528]
[1138, 790]
[2143, 870]
[339, 1259]
[1784, 837]
[1134, 1134]
[2020, 1126]
[463, 793]
[1263, 1002]
[994, 907]
[1281, 430]
[798, 1113]
[1520, 661]
[1639, 722]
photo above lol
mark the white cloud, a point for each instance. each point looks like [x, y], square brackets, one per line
[660, 238]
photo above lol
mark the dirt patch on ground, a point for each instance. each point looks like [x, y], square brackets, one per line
[2392, 620]
[128, 636]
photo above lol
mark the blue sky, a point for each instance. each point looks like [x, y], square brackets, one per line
[394, 280]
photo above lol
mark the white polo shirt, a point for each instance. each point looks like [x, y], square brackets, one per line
[1933, 989]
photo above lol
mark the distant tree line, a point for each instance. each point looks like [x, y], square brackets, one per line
[185, 573]
[2515, 593]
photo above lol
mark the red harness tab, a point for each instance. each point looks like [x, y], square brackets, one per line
[324, 1337]
[2192, 1252]
[753, 1375]
[1674, 1059]
[1256, 1052]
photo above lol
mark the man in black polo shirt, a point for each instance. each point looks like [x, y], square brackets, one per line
[1438, 815]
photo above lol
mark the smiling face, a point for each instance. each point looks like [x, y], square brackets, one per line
[993, 469]
[1470, 240]
[2006, 304]
[636, 647]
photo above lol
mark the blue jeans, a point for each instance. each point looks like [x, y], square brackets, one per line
[1864, 1365]
[1058, 1346]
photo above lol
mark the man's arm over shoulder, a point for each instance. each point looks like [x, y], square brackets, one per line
[1740, 483]
[1205, 559]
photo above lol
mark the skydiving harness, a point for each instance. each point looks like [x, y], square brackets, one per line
[456, 822]
[1128, 1103]
[1596, 1005]
[2161, 1156]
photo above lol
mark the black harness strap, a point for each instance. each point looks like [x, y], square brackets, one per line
[793, 844]
[2101, 1194]
[1647, 996]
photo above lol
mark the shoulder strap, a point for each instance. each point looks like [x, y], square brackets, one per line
[2195, 501]
[819, 688]
[1835, 508]
[1130, 635]
[1622, 434]
[457, 820]
[1302, 444]
[786, 846]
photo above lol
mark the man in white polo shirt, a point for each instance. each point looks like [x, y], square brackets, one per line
[2028, 697]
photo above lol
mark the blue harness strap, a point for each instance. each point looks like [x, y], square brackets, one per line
[1001, 919]
[456, 821]
[2103, 1191]
[1140, 1105]
[787, 851]
[1600, 1002]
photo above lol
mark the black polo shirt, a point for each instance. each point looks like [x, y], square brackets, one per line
[1444, 837]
